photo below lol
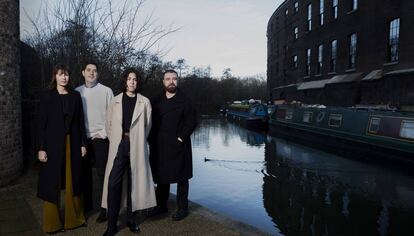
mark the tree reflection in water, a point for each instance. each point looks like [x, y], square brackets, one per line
[288, 189]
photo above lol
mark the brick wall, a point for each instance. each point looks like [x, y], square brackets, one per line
[10, 99]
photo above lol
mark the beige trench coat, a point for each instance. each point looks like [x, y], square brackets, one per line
[142, 185]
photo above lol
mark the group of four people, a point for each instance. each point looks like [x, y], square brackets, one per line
[88, 126]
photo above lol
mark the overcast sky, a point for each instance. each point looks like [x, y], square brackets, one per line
[219, 33]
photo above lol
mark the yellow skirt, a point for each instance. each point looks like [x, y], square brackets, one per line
[73, 209]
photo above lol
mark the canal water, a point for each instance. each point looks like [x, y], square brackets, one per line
[285, 188]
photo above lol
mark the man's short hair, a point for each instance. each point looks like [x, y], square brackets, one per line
[89, 62]
[169, 71]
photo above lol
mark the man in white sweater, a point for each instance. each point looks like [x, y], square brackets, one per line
[96, 99]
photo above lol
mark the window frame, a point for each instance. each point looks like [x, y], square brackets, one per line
[402, 126]
[334, 55]
[334, 9]
[309, 115]
[320, 59]
[308, 61]
[393, 40]
[352, 50]
[309, 17]
[370, 125]
[331, 117]
[321, 12]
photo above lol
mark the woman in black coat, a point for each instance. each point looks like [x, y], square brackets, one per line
[61, 146]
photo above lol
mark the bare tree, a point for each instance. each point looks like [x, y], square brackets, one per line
[116, 36]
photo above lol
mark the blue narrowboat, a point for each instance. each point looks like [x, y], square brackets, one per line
[349, 131]
[249, 115]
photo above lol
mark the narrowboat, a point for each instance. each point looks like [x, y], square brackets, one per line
[349, 132]
[249, 115]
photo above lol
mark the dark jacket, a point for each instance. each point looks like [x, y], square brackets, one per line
[171, 160]
[51, 138]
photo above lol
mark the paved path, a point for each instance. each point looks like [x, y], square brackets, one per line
[21, 214]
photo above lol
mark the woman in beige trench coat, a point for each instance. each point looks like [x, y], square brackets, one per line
[128, 146]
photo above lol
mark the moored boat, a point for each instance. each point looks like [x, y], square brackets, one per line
[250, 115]
[349, 131]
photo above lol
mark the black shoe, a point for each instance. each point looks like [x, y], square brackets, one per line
[157, 211]
[110, 232]
[180, 214]
[102, 216]
[133, 227]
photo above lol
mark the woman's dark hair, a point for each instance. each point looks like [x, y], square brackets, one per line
[124, 78]
[59, 67]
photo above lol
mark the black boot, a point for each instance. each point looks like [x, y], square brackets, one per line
[110, 232]
[158, 210]
[180, 214]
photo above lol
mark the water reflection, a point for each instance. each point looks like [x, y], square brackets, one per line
[288, 189]
[308, 192]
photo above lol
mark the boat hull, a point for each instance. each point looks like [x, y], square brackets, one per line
[352, 139]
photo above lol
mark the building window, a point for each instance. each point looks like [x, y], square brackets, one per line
[295, 61]
[335, 9]
[296, 6]
[352, 51]
[320, 58]
[394, 36]
[354, 5]
[295, 33]
[321, 10]
[334, 48]
[309, 17]
[308, 61]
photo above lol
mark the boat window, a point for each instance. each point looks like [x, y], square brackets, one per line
[307, 117]
[374, 125]
[289, 115]
[335, 120]
[407, 129]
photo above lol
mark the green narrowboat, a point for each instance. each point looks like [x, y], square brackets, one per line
[349, 131]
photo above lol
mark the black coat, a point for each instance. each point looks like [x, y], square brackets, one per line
[51, 138]
[171, 160]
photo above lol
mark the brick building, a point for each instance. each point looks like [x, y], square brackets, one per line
[342, 52]
[10, 97]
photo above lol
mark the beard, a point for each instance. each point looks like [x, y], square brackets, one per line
[171, 88]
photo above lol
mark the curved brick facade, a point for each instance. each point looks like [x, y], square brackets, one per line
[327, 75]
[10, 98]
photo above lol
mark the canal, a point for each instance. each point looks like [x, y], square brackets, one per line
[285, 188]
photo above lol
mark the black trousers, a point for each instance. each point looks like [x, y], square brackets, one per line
[163, 192]
[97, 155]
[121, 164]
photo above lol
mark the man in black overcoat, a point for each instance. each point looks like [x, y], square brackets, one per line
[174, 120]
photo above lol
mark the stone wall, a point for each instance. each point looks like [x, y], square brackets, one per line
[10, 98]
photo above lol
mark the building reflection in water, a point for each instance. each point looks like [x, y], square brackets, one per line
[308, 192]
[288, 189]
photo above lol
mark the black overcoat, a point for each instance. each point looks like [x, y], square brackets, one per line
[52, 137]
[171, 160]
